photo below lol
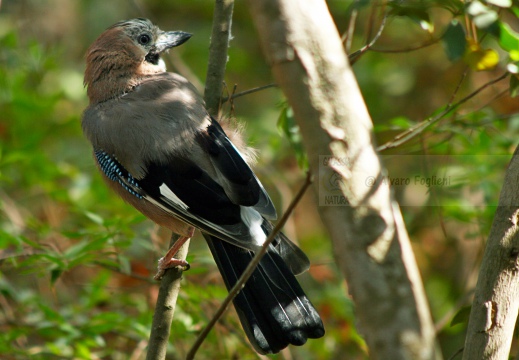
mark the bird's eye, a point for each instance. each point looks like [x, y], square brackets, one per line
[144, 39]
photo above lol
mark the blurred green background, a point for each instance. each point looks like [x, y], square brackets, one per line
[77, 263]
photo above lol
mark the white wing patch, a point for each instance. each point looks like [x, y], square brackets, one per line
[253, 220]
[170, 195]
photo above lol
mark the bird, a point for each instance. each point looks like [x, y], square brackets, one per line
[157, 147]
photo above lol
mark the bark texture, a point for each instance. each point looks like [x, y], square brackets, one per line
[370, 242]
[220, 38]
[165, 307]
[496, 300]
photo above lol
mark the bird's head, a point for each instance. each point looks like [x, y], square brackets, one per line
[125, 52]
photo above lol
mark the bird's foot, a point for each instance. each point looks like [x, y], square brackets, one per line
[170, 263]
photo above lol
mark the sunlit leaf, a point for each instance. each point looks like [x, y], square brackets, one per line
[82, 351]
[454, 41]
[94, 217]
[500, 3]
[482, 15]
[401, 122]
[508, 38]
[513, 68]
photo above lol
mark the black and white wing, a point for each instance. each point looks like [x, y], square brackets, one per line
[231, 205]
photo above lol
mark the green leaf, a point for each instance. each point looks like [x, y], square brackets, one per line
[401, 122]
[287, 125]
[462, 316]
[124, 264]
[7, 289]
[454, 40]
[508, 38]
[55, 274]
[50, 313]
[94, 217]
[416, 13]
[30, 242]
[493, 29]
[514, 85]
[104, 322]
[82, 351]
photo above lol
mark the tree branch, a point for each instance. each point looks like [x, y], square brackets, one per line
[165, 307]
[496, 301]
[370, 242]
[354, 57]
[417, 129]
[247, 92]
[220, 38]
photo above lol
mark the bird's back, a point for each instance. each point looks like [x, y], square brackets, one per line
[165, 105]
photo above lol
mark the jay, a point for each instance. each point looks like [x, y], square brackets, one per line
[158, 148]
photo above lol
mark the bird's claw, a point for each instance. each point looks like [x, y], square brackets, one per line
[172, 263]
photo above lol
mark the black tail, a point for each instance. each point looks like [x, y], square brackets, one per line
[273, 309]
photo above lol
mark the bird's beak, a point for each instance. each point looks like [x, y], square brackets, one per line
[170, 39]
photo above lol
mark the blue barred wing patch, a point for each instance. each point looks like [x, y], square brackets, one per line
[116, 172]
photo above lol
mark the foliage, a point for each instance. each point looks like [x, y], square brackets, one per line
[77, 262]
[287, 125]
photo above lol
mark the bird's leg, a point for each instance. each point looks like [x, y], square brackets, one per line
[168, 261]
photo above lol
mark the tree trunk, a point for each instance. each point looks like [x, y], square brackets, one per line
[369, 238]
[496, 301]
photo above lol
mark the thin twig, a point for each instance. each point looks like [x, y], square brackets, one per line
[357, 54]
[371, 21]
[347, 37]
[247, 92]
[418, 128]
[456, 353]
[231, 102]
[139, 350]
[430, 42]
[458, 87]
[500, 94]
[249, 270]
[408, 49]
